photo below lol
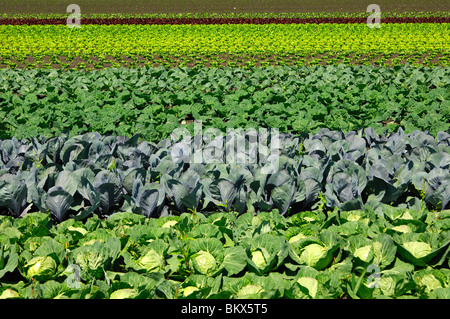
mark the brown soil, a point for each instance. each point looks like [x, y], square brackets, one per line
[220, 60]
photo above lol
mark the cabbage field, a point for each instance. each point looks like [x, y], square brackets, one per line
[225, 155]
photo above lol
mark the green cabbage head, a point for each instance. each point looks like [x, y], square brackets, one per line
[260, 258]
[364, 253]
[249, 291]
[204, 262]
[126, 293]
[152, 261]
[41, 267]
[418, 249]
[313, 254]
[188, 290]
[9, 293]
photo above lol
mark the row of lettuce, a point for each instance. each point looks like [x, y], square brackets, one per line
[244, 171]
[155, 101]
[216, 45]
[385, 253]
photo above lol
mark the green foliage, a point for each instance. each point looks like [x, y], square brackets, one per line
[226, 255]
[244, 45]
[155, 101]
[93, 174]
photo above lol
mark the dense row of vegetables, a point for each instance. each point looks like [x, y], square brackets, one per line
[57, 46]
[203, 21]
[388, 253]
[253, 171]
[241, 15]
[153, 102]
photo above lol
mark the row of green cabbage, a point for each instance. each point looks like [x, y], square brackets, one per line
[382, 253]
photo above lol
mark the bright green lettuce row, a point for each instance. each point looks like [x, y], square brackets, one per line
[245, 41]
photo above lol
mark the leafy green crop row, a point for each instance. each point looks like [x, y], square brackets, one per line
[388, 253]
[155, 101]
[99, 46]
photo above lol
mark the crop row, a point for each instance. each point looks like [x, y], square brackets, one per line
[153, 102]
[99, 46]
[203, 21]
[391, 253]
[251, 171]
[240, 15]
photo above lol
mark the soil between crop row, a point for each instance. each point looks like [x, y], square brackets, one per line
[175, 21]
